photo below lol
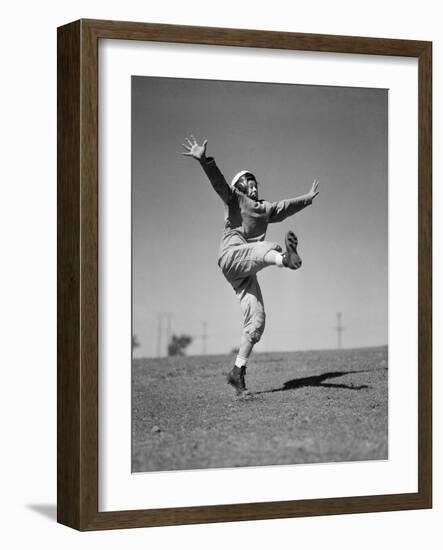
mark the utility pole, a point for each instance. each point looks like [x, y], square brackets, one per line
[159, 334]
[204, 337]
[168, 330]
[339, 328]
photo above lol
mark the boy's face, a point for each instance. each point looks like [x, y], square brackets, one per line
[249, 186]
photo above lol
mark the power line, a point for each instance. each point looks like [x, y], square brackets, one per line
[164, 333]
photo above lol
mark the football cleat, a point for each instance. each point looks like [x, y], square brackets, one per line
[291, 258]
[236, 379]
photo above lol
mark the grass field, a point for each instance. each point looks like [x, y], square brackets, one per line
[306, 407]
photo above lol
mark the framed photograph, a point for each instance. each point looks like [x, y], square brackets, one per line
[244, 275]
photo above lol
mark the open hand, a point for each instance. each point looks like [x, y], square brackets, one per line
[193, 149]
[313, 192]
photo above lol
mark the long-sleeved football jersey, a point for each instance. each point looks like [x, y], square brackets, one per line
[245, 216]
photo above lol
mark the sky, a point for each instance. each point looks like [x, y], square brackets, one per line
[287, 135]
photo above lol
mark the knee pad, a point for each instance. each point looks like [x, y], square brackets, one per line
[255, 331]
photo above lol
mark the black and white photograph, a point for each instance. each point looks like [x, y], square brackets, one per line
[259, 274]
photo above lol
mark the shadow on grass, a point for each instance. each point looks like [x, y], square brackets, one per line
[318, 381]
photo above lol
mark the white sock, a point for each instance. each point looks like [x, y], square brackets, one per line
[279, 260]
[241, 361]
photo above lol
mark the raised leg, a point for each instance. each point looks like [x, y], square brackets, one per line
[247, 260]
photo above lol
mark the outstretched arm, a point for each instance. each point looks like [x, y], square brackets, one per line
[198, 152]
[282, 209]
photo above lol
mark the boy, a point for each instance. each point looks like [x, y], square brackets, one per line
[243, 250]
